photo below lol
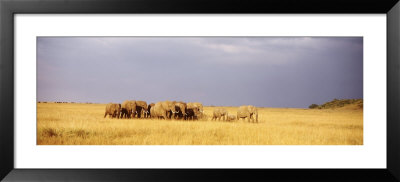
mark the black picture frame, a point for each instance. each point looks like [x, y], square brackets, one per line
[8, 8]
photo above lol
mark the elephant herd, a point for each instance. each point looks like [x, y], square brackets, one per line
[174, 110]
[160, 110]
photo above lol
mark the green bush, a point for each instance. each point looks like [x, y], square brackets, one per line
[313, 106]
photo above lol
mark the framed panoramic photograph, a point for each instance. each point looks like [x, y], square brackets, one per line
[253, 90]
[125, 91]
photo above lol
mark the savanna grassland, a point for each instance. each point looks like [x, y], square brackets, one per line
[83, 124]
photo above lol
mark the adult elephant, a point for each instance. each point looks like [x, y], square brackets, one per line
[220, 113]
[161, 109]
[247, 112]
[180, 108]
[196, 110]
[149, 109]
[128, 108]
[141, 108]
[112, 110]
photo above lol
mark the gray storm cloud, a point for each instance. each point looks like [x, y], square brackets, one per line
[226, 71]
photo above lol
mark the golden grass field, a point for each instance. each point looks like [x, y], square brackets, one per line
[83, 124]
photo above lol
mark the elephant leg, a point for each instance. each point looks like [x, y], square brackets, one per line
[105, 115]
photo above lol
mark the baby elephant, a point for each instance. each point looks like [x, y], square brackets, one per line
[218, 113]
[231, 118]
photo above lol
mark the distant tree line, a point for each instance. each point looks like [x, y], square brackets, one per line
[57, 102]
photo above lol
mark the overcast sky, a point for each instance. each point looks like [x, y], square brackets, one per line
[222, 71]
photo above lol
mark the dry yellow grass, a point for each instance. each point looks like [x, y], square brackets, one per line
[83, 124]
